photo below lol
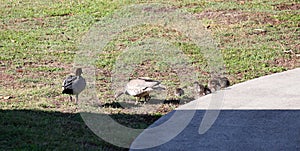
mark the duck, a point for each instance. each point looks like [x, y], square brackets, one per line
[218, 83]
[179, 92]
[200, 89]
[214, 85]
[74, 85]
[224, 82]
[141, 88]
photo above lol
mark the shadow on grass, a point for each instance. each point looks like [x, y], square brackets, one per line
[44, 130]
[113, 105]
[172, 101]
[183, 100]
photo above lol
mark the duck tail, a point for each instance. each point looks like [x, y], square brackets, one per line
[67, 91]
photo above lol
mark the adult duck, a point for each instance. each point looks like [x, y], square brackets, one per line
[74, 84]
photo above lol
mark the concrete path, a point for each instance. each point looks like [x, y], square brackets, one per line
[260, 114]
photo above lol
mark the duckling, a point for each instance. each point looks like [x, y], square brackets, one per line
[179, 92]
[200, 89]
[214, 85]
[224, 82]
[218, 83]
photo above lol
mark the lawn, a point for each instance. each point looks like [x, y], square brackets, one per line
[40, 39]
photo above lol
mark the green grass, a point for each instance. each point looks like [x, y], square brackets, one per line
[41, 130]
[39, 40]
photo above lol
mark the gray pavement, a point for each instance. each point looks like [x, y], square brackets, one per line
[260, 114]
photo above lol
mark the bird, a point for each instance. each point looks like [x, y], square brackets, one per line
[74, 85]
[224, 82]
[200, 89]
[214, 85]
[218, 83]
[179, 92]
[141, 88]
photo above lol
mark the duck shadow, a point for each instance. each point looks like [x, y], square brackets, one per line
[132, 103]
[121, 105]
[172, 101]
[112, 105]
[176, 101]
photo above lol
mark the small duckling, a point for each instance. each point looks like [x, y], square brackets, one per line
[200, 89]
[224, 82]
[214, 85]
[218, 83]
[179, 92]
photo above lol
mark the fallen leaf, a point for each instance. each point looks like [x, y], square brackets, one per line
[19, 70]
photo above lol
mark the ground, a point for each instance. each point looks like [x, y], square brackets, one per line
[39, 40]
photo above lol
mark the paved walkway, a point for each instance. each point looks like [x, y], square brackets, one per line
[260, 114]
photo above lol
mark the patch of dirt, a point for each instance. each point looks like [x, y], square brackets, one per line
[22, 76]
[150, 69]
[6, 80]
[160, 10]
[20, 24]
[166, 108]
[285, 62]
[234, 17]
[294, 6]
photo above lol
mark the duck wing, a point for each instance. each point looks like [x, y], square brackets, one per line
[67, 84]
[78, 85]
[154, 84]
[141, 85]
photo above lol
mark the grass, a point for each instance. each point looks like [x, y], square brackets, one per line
[39, 40]
[53, 131]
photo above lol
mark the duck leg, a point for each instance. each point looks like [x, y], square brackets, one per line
[137, 100]
[76, 99]
[70, 98]
[145, 99]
